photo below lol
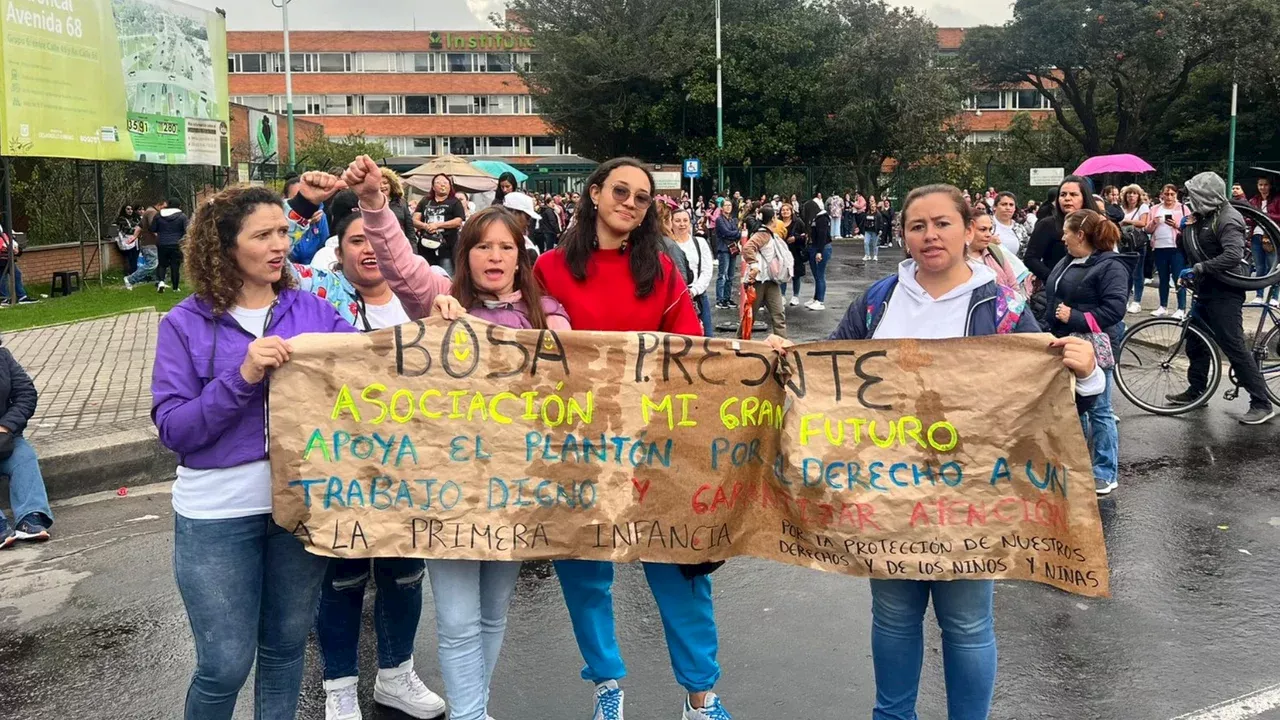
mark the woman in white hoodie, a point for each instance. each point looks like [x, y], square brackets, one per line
[939, 293]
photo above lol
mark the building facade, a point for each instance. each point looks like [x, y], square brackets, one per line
[988, 112]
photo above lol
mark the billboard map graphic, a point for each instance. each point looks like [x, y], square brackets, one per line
[114, 80]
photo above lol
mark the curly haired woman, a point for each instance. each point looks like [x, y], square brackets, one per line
[249, 587]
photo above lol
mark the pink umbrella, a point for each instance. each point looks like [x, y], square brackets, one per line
[1113, 163]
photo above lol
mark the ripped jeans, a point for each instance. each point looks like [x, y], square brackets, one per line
[396, 609]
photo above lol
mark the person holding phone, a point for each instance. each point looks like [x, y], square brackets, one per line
[1165, 220]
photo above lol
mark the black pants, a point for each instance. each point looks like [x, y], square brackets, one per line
[168, 257]
[130, 260]
[1221, 315]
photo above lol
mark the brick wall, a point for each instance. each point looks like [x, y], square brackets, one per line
[38, 264]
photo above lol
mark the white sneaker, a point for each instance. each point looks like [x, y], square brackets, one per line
[1135, 307]
[402, 689]
[128, 285]
[866, 257]
[1178, 314]
[795, 300]
[1274, 302]
[817, 306]
[161, 286]
[340, 699]
[1159, 312]
[711, 709]
[1149, 282]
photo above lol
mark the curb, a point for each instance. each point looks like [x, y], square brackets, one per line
[105, 461]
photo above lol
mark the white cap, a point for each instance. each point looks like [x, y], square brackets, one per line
[521, 202]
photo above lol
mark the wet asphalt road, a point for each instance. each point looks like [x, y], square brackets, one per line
[91, 625]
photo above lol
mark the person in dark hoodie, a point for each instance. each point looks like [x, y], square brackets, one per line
[1220, 230]
[170, 226]
[1086, 292]
[250, 588]
[27, 497]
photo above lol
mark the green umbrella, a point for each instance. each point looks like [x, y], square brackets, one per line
[497, 167]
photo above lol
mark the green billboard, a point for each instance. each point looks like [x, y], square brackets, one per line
[114, 80]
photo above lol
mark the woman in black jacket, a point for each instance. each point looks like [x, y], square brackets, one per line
[28, 499]
[1087, 291]
[797, 239]
[1045, 248]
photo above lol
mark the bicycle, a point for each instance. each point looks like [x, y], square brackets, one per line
[1151, 361]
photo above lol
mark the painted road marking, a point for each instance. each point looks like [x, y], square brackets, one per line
[1241, 708]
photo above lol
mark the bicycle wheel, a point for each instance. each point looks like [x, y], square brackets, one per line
[1152, 363]
[1271, 363]
[1242, 277]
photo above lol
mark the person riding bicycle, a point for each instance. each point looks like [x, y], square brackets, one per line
[1220, 231]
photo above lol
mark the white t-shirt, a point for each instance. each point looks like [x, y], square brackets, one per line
[1164, 236]
[326, 256]
[384, 316]
[234, 492]
[1008, 238]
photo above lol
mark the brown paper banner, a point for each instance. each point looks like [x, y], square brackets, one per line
[905, 459]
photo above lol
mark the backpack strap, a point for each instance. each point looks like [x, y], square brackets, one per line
[877, 295]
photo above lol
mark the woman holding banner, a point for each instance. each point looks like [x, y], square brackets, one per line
[249, 586]
[494, 282]
[936, 294]
[611, 274]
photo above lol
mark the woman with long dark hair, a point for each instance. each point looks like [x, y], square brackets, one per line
[1046, 247]
[611, 274]
[128, 226]
[437, 219]
[506, 184]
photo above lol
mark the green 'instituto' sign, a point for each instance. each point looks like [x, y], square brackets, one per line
[480, 41]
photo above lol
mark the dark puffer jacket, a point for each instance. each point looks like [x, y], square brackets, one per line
[1099, 285]
[17, 394]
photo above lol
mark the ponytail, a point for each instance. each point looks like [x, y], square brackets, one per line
[1101, 234]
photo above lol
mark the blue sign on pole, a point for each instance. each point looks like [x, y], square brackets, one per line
[692, 168]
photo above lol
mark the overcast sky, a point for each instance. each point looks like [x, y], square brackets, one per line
[473, 14]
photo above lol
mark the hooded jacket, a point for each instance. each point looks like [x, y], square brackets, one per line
[1220, 231]
[203, 407]
[17, 394]
[170, 226]
[1099, 285]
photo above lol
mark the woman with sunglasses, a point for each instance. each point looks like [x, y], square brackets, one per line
[610, 274]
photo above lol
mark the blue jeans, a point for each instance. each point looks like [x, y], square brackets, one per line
[471, 598]
[4, 281]
[965, 615]
[1099, 425]
[724, 276]
[837, 227]
[1138, 276]
[871, 243]
[688, 621]
[1263, 261]
[397, 606]
[1169, 263]
[250, 590]
[703, 303]
[819, 269]
[147, 262]
[26, 485]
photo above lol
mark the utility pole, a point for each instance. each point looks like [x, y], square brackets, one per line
[288, 81]
[1231, 145]
[719, 103]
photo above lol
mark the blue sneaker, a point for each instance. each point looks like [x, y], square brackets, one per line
[32, 527]
[608, 701]
[711, 709]
[7, 537]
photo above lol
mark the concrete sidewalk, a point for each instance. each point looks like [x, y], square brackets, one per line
[92, 427]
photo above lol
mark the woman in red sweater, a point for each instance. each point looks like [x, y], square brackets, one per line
[610, 273]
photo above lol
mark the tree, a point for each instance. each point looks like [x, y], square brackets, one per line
[1112, 69]
[845, 82]
[320, 152]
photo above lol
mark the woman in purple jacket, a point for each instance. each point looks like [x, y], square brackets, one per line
[249, 587]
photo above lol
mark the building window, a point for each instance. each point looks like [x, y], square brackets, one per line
[459, 104]
[381, 62]
[423, 146]
[333, 62]
[503, 145]
[377, 104]
[1029, 100]
[257, 102]
[528, 61]
[462, 145]
[531, 105]
[337, 104]
[542, 145]
[424, 62]
[989, 100]
[499, 62]
[419, 104]
[459, 62]
[250, 63]
[503, 104]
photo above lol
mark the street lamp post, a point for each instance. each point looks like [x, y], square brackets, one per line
[719, 103]
[1231, 144]
[288, 79]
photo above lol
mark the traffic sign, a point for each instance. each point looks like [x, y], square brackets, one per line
[693, 168]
